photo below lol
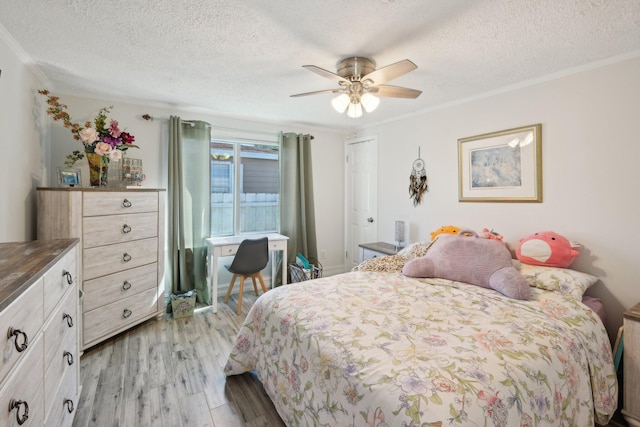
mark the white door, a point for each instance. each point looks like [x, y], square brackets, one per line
[361, 196]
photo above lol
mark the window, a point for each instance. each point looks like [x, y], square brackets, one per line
[245, 187]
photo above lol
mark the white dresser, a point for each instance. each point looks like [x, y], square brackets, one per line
[121, 257]
[40, 363]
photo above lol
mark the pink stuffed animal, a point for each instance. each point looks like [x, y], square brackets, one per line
[490, 234]
[547, 248]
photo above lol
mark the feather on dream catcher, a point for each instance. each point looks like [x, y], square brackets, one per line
[418, 181]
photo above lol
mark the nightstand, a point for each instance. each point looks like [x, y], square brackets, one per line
[631, 408]
[374, 250]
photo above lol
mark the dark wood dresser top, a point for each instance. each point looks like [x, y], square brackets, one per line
[22, 263]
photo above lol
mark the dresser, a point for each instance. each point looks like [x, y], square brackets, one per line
[377, 249]
[121, 256]
[631, 366]
[40, 365]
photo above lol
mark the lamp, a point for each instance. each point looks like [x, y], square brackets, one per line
[355, 110]
[355, 100]
[340, 103]
[369, 102]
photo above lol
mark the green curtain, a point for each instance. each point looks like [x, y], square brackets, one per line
[189, 206]
[297, 215]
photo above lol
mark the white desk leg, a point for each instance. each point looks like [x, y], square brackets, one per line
[272, 255]
[214, 282]
[285, 266]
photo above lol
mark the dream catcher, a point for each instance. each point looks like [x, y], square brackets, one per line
[418, 180]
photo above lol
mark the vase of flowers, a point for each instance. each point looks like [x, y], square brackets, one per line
[102, 142]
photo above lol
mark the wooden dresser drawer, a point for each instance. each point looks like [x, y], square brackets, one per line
[106, 230]
[25, 384]
[110, 259]
[62, 324]
[64, 401]
[119, 315]
[109, 203]
[114, 287]
[63, 365]
[62, 276]
[25, 316]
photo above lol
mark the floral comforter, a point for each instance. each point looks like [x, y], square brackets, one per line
[381, 349]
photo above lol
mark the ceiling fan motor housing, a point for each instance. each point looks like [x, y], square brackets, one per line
[355, 67]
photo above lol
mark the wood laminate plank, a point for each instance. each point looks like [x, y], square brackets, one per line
[168, 372]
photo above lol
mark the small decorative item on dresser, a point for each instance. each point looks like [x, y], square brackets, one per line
[69, 177]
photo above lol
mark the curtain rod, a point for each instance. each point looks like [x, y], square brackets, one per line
[151, 118]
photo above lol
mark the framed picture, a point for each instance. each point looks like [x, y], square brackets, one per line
[504, 166]
[68, 177]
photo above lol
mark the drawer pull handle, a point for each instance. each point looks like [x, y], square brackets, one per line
[68, 276]
[69, 319]
[126, 257]
[16, 404]
[126, 229]
[69, 404]
[126, 286]
[126, 203]
[69, 358]
[126, 313]
[14, 333]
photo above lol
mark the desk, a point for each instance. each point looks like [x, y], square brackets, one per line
[218, 247]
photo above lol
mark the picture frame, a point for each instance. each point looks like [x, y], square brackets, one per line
[503, 166]
[69, 177]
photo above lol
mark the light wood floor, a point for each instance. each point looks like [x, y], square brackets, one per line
[170, 373]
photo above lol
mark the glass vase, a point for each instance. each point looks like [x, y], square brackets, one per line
[98, 169]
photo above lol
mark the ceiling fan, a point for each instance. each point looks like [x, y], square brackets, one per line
[360, 82]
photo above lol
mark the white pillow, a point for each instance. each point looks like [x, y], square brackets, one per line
[563, 280]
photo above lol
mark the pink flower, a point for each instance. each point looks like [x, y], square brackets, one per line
[114, 131]
[103, 148]
[88, 135]
[115, 155]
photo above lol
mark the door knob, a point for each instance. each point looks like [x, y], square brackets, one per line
[370, 219]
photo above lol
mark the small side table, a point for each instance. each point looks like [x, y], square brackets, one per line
[631, 355]
[374, 250]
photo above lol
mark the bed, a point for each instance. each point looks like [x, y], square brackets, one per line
[376, 348]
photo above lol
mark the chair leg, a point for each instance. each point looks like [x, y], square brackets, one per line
[264, 287]
[255, 286]
[240, 294]
[226, 297]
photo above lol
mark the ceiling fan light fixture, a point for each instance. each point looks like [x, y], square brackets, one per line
[355, 110]
[340, 103]
[369, 102]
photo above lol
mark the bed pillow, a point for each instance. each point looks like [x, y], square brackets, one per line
[416, 249]
[388, 264]
[563, 280]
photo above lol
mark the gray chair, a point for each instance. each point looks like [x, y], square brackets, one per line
[251, 258]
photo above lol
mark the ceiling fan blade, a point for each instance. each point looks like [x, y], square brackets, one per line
[325, 73]
[395, 91]
[390, 72]
[317, 92]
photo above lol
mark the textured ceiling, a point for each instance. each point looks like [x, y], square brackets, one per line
[243, 58]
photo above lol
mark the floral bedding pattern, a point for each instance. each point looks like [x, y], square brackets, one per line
[380, 349]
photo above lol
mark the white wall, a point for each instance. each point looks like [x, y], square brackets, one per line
[20, 151]
[590, 155]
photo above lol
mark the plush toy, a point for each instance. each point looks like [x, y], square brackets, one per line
[490, 234]
[548, 249]
[481, 262]
[445, 229]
